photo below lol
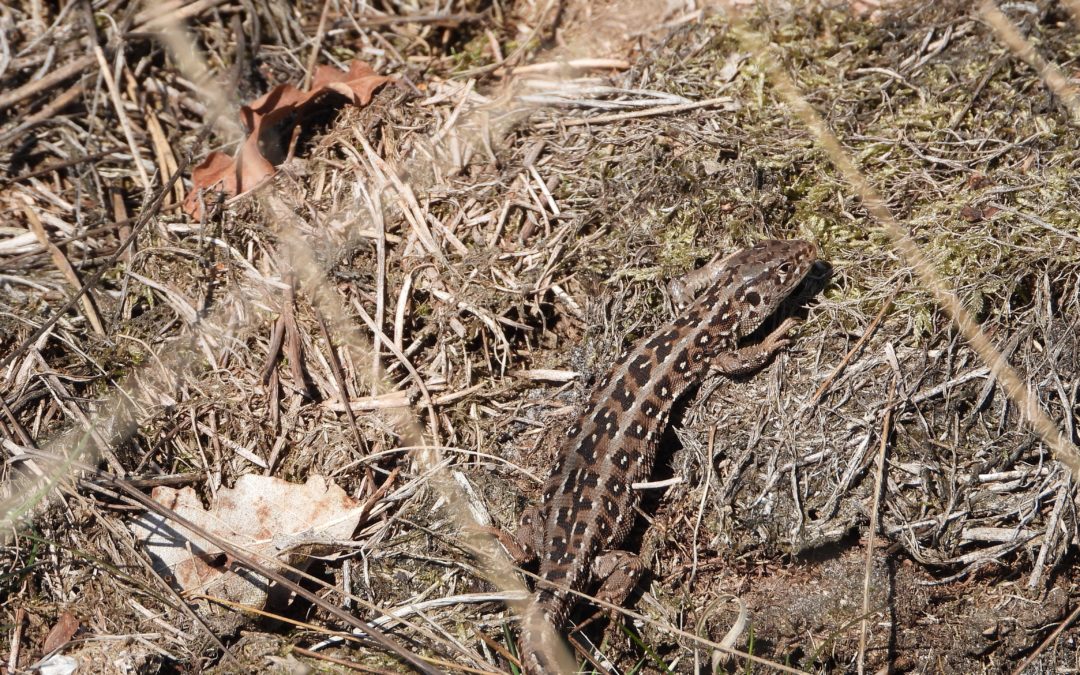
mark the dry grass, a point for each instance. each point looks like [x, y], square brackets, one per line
[455, 263]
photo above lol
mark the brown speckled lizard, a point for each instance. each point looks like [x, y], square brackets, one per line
[587, 508]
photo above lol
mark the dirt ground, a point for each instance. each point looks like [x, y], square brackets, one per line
[404, 301]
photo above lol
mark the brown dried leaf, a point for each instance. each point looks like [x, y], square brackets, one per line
[971, 213]
[974, 214]
[271, 121]
[976, 181]
[61, 633]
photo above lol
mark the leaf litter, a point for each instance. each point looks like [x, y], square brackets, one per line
[517, 256]
[272, 121]
[279, 522]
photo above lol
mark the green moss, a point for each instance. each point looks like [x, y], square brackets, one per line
[474, 53]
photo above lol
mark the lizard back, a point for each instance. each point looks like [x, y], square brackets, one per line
[588, 502]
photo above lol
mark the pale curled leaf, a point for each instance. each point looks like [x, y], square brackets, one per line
[268, 517]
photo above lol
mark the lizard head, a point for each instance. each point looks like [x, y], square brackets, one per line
[766, 273]
[755, 281]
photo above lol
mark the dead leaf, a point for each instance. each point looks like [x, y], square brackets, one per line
[58, 664]
[731, 67]
[268, 517]
[61, 633]
[976, 181]
[271, 121]
[974, 214]
[1025, 165]
[971, 213]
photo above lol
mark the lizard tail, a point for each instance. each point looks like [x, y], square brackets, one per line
[542, 650]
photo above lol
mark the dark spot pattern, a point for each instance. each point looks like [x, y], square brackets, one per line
[638, 377]
[663, 384]
[586, 450]
[562, 518]
[624, 397]
[588, 500]
[661, 337]
[663, 351]
[609, 431]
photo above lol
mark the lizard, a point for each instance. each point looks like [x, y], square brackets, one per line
[587, 505]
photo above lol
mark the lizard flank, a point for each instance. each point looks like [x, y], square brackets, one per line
[587, 508]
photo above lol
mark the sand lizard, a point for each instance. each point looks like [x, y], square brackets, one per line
[587, 508]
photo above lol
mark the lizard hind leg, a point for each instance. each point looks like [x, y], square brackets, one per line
[618, 573]
[522, 544]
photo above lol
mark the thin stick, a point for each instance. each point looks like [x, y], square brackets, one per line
[851, 354]
[64, 265]
[125, 124]
[374, 204]
[60, 166]
[46, 113]
[55, 77]
[726, 102]
[339, 380]
[879, 481]
[572, 64]
[151, 19]
[319, 33]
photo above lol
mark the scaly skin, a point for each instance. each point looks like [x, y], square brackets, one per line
[587, 508]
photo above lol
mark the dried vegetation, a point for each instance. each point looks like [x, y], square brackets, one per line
[454, 263]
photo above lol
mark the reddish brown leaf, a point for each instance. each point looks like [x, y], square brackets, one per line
[972, 214]
[358, 84]
[61, 633]
[1025, 165]
[270, 121]
[217, 171]
[977, 180]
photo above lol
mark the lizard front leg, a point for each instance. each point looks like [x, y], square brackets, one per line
[748, 359]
